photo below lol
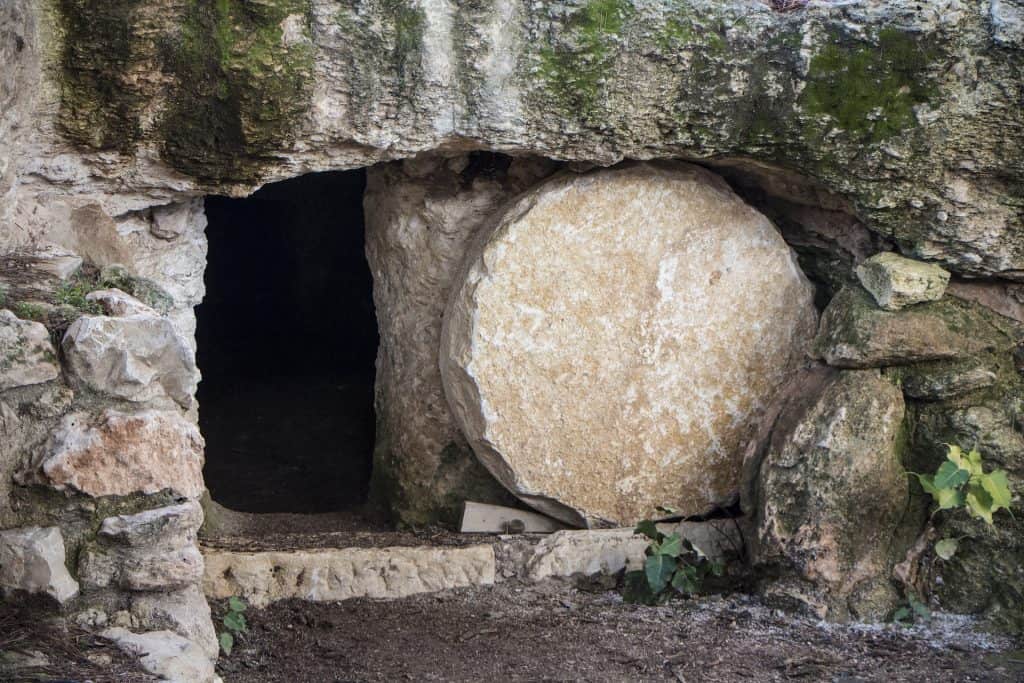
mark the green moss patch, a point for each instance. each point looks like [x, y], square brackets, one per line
[870, 88]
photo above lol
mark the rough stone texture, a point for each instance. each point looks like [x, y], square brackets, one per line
[175, 523]
[420, 217]
[831, 492]
[185, 612]
[909, 111]
[158, 567]
[166, 654]
[26, 353]
[895, 281]
[140, 357]
[32, 560]
[942, 380]
[615, 335]
[330, 575]
[609, 551]
[855, 333]
[118, 304]
[120, 454]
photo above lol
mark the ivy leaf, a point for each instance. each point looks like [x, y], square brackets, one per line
[954, 454]
[685, 580]
[947, 499]
[234, 621]
[671, 546]
[236, 604]
[998, 487]
[979, 503]
[659, 569]
[949, 476]
[227, 642]
[974, 462]
[648, 529]
[946, 548]
[927, 482]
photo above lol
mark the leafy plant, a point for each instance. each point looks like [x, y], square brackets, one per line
[74, 294]
[961, 482]
[234, 623]
[914, 611]
[672, 565]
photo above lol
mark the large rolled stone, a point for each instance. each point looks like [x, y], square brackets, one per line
[120, 454]
[615, 335]
[26, 354]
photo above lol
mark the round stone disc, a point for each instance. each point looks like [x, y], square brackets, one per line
[614, 337]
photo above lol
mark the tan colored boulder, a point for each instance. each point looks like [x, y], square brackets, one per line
[614, 337]
[896, 281]
[32, 560]
[831, 492]
[123, 453]
[26, 354]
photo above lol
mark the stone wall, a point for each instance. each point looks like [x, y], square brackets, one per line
[860, 127]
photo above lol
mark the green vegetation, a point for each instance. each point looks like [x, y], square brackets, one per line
[73, 293]
[870, 89]
[672, 566]
[575, 69]
[234, 624]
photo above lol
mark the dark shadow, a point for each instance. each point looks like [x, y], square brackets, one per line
[287, 339]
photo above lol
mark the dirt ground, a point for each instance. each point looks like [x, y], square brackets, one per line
[554, 632]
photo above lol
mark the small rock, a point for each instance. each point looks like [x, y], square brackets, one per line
[940, 381]
[176, 524]
[185, 612]
[173, 220]
[32, 560]
[165, 654]
[26, 355]
[895, 281]
[141, 569]
[126, 453]
[118, 304]
[138, 357]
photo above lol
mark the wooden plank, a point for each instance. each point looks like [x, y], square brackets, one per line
[481, 518]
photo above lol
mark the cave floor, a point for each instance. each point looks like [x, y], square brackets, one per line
[552, 632]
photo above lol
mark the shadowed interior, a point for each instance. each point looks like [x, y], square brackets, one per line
[287, 338]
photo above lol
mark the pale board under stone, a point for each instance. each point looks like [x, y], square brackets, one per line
[614, 337]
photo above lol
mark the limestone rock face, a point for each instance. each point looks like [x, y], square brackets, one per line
[116, 303]
[138, 357]
[615, 334]
[26, 354]
[166, 654]
[855, 333]
[420, 216]
[125, 453]
[183, 611]
[895, 281]
[831, 493]
[32, 560]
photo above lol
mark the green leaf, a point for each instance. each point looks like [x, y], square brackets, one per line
[648, 529]
[927, 482]
[235, 622]
[685, 580]
[997, 486]
[947, 499]
[979, 503]
[902, 614]
[974, 462]
[949, 476]
[236, 604]
[671, 546]
[946, 548]
[227, 642]
[659, 569]
[921, 610]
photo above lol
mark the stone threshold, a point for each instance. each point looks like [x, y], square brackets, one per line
[331, 574]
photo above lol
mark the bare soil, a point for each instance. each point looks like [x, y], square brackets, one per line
[553, 632]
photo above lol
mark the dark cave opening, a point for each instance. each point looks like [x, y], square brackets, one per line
[286, 341]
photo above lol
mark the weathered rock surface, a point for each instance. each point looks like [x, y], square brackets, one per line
[175, 524]
[830, 494]
[120, 454]
[615, 335]
[118, 304]
[330, 575]
[185, 612]
[895, 281]
[855, 333]
[942, 380]
[609, 551]
[138, 357]
[420, 217]
[166, 654]
[150, 568]
[26, 355]
[32, 560]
